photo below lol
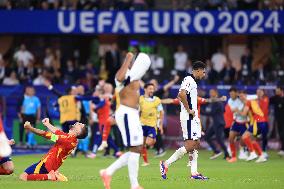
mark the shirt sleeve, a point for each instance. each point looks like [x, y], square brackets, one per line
[160, 107]
[185, 85]
[38, 103]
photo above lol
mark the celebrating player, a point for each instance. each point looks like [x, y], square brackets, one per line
[47, 167]
[127, 118]
[151, 110]
[190, 123]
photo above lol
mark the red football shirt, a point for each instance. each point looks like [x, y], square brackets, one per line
[264, 105]
[104, 112]
[200, 101]
[64, 145]
[258, 118]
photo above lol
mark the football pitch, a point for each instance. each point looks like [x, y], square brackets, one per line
[83, 174]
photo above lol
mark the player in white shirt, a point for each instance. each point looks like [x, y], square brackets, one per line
[240, 124]
[190, 123]
[127, 118]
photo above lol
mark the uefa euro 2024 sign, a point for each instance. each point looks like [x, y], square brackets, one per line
[143, 22]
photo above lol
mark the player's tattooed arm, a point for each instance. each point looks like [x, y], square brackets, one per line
[120, 75]
[46, 123]
[30, 128]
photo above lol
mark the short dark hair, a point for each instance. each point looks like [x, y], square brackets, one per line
[148, 84]
[84, 133]
[198, 65]
[234, 89]
[243, 91]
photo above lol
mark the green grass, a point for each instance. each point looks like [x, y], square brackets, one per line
[83, 173]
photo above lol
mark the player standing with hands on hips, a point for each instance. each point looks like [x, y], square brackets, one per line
[190, 122]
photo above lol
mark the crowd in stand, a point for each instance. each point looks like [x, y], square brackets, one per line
[24, 68]
[139, 4]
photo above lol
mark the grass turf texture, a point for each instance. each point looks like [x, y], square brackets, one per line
[83, 173]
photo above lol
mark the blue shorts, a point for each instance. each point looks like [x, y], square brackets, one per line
[4, 160]
[149, 131]
[239, 128]
[37, 168]
[262, 128]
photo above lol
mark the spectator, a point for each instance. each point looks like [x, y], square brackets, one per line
[12, 79]
[30, 72]
[229, 73]
[48, 59]
[29, 109]
[123, 4]
[24, 56]
[139, 5]
[70, 73]
[180, 58]
[112, 61]
[40, 79]
[157, 63]
[3, 69]
[219, 62]
[260, 73]
[278, 102]
[246, 61]
[216, 111]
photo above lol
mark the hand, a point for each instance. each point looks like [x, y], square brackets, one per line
[27, 125]
[46, 83]
[45, 121]
[12, 142]
[192, 112]
[202, 133]
[223, 98]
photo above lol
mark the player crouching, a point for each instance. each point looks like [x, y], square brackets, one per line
[65, 143]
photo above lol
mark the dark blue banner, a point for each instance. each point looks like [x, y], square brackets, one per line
[142, 22]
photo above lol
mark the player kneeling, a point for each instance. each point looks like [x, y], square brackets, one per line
[47, 167]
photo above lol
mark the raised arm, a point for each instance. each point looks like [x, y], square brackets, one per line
[52, 89]
[39, 132]
[50, 127]
[120, 75]
[171, 83]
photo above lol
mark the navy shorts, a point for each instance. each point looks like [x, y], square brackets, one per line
[37, 168]
[4, 160]
[149, 131]
[239, 128]
[262, 128]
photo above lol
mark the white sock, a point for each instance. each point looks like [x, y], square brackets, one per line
[133, 168]
[194, 162]
[177, 155]
[120, 162]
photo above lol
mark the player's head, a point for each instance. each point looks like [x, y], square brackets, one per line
[29, 90]
[243, 95]
[198, 69]
[149, 89]
[260, 93]
[71, 90]
[233, 93]
[213, 93]
[80, 130]
[80, 89]
[108, 88]
[279, 91]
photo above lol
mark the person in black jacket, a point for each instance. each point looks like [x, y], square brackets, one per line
[278, 102]
[216, 111]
